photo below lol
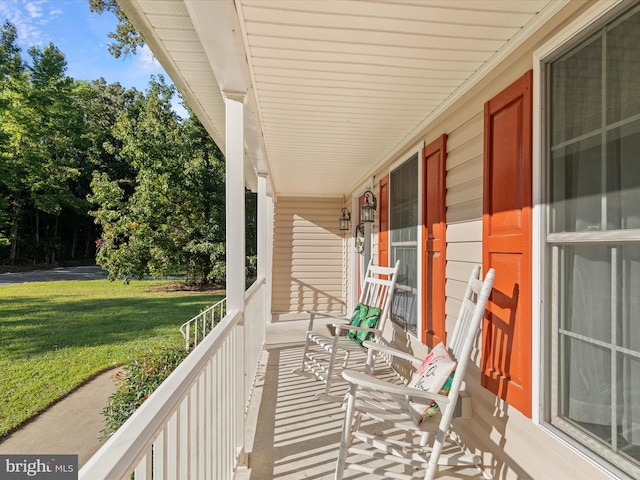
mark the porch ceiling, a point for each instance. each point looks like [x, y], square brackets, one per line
[335, 87]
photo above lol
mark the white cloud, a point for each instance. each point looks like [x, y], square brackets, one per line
[146, 58]
[34, 9]
[29, 20]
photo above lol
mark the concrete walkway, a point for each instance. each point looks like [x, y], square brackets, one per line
[71, 426]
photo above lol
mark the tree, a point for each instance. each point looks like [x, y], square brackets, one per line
[127, 39]
[10, 60]
[59, 131]
[173, 218]
[41, 130]
[13, 84]
[103, 103]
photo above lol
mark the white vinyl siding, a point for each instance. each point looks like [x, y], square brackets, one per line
[308, 256]
[464, 171]
[464, 208]
[517, 447]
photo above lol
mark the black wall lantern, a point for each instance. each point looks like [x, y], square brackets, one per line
[345, 219]
[368, 209]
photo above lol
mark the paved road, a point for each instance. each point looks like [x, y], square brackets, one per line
[61, 273]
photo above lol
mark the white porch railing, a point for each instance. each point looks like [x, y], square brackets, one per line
[194, 330]
[192, 426]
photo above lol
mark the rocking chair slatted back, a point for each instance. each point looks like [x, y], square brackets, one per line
[465, 315]
[377, 291]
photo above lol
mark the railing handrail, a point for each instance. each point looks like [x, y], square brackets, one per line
[185, 328]
[120, 454]
[254, 288]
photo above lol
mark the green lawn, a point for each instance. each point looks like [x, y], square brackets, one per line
[56, 335]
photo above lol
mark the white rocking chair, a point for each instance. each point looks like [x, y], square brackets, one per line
[395, 405]
[321, 352]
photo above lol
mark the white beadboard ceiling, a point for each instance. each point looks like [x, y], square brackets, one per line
[335, 87]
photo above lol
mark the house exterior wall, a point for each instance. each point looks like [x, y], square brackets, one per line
[308, 256]
[513, 446]
[518, 447]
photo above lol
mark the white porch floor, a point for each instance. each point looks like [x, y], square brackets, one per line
[291, 434]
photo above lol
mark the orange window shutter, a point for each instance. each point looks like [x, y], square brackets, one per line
[434, 242]
[506, 244]
[383, 233]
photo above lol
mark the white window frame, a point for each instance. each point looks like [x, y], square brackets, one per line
[416, 149]
[583, 26]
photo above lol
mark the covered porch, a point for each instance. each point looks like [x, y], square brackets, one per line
[291, 434]
[204, 422]
[317, 105]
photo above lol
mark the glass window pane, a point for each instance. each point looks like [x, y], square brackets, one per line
[404, 202]
[586, 291]
[623, 177]
[628, 395]
[576, 84]
[404, 223]
[576, 187]
[628, 337]
[623, 69]
[586, 397]
[594, 186]
[628, 331]
[599, 381]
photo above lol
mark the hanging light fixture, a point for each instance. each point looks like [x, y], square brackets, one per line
[345, 219]
[368, 209]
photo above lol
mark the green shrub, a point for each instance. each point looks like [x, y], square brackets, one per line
[137, 381]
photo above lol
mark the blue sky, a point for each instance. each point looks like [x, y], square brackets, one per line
[82, 36]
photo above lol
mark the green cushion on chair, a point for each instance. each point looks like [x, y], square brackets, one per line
[363, 316]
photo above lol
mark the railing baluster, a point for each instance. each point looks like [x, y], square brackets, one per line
[210, 434]
[192, 426]
[160, 457]
[143, 470]
[201, 331]
[184, 438]
[172, 446]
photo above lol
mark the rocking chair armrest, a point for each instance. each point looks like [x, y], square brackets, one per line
[346, 327]
[314, 314]
[392, 351]
[370, 382]
[328, 314]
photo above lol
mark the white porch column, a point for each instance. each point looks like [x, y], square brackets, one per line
[235, 248]
[234, 202]
[265, 239]
[262, 224]
[269, 213]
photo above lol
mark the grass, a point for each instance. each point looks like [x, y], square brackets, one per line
[54, 336]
